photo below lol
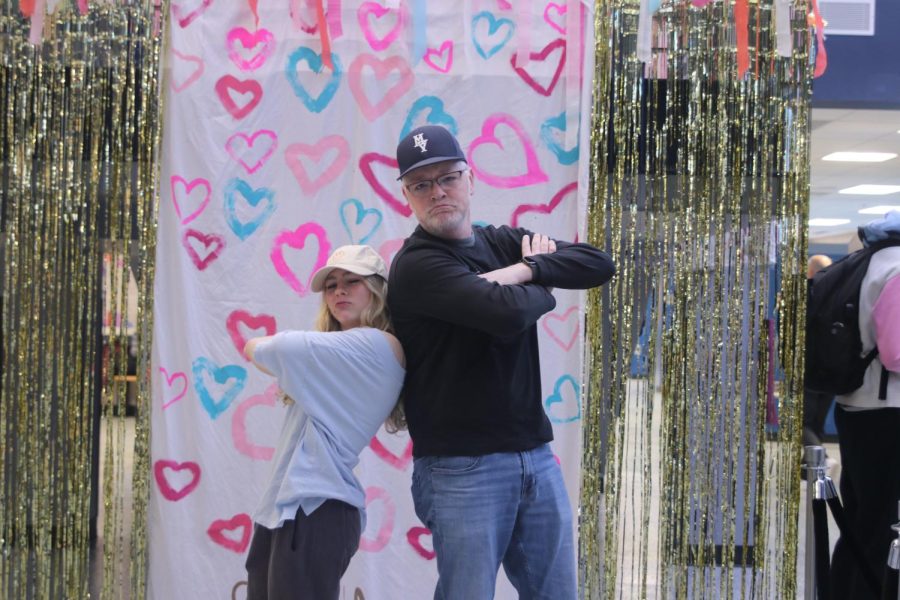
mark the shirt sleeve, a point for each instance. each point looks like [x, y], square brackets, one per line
[574, 266]
[437, 285]
[886, 315]
[287, 356]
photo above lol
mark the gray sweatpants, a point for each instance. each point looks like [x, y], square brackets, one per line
[305, 557]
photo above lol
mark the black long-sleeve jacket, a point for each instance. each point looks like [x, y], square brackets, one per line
[473, 383]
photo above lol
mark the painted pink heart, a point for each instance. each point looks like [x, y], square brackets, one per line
[440, 59]
[533, 173]
[555, 16]
[228, 84]
[562, 329]
[254, 323]
[261, 38]
[365, 14]
[381, 69]
[389, 249]
[399, 462]
[414, 537]
[222, 532]
[303, 15]
[317, 151]
[240, 146]
[170, 379]
[170, 492]
[365, 166]
[536, 58]
[212, 247]
[239, 435]
[386, 528]
[546, 209]
[185, 12]
[180, 198]
[180, 82]
[297, 239]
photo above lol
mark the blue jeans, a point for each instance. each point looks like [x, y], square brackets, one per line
[508, 508]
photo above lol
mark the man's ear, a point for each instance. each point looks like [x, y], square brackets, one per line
[471, 175]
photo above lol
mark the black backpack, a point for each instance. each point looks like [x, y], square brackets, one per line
[835, 363]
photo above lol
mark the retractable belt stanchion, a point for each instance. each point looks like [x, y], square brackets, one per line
[890, 589]
[819, 489]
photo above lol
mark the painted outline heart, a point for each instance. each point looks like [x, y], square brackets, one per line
[250, 141]
[361, 213]
[253, 197]
[399, 462]
[316, 151]
[383, 536]
[207, 240]
[544, 209]
[239, 425]
[260, 321]
[558, 123]
[228, 83]
[217, 529]
[220, 375]
[297, 239]
[186, 19]
[436, 115]
[249, 40]
[188, 188]
[413, 536]
[551, 318]
[314, 59]
[558, 22]
[365, 166]
[538, 57]
[494, 24]
[169, 380]
[533, 172]
[194, 75]
[382, 69]
[446, 47]
[165, 488]
[373, 9]
[551, 402]
[295, 8]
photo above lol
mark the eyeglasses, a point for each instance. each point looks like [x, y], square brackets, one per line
[447, 181]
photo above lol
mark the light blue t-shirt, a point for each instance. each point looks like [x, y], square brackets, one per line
[344, 385]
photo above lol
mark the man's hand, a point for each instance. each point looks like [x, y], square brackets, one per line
[519, 272]
[540, 244]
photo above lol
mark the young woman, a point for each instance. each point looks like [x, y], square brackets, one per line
[340, 384]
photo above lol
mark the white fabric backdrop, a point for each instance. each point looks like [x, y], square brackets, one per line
[271, 159]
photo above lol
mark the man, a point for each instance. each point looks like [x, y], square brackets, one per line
[465, 302]
[868, 421]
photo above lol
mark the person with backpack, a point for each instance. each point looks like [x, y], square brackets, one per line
[816, 404]
[868, 417]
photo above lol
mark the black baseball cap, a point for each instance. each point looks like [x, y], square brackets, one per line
[427, 145]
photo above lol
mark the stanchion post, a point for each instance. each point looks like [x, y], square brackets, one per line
[819, 487]
[894, 555]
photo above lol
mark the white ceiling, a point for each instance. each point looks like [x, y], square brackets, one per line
[838, 129]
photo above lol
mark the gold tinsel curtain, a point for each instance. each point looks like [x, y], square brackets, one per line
[79, 82]
[700, 184]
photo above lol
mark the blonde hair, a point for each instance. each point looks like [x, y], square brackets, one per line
[375, 315]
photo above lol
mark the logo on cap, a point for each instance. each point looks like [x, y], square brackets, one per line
[420, 142]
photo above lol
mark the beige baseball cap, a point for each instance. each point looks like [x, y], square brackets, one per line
[362, 260]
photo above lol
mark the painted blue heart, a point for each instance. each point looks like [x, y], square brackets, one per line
[558, 409]
[494, 25]
[436, 115]
[220, 375]
[551, 138]
[253, 197]
[314, 59]
[361, 213]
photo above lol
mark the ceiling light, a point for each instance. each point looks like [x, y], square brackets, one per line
[859, 156]
[871, 190]
[827, 222]
[879, 210]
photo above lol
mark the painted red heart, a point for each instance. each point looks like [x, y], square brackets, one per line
[192, 75]
[260, 321]
[413, 536]
[212, 245]
[219, 527]
[399, 462]
[185, 17]
[166, 489]
[365, 166]
[539, 57]
[562, 329]
[228, 83]
[546, 209]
